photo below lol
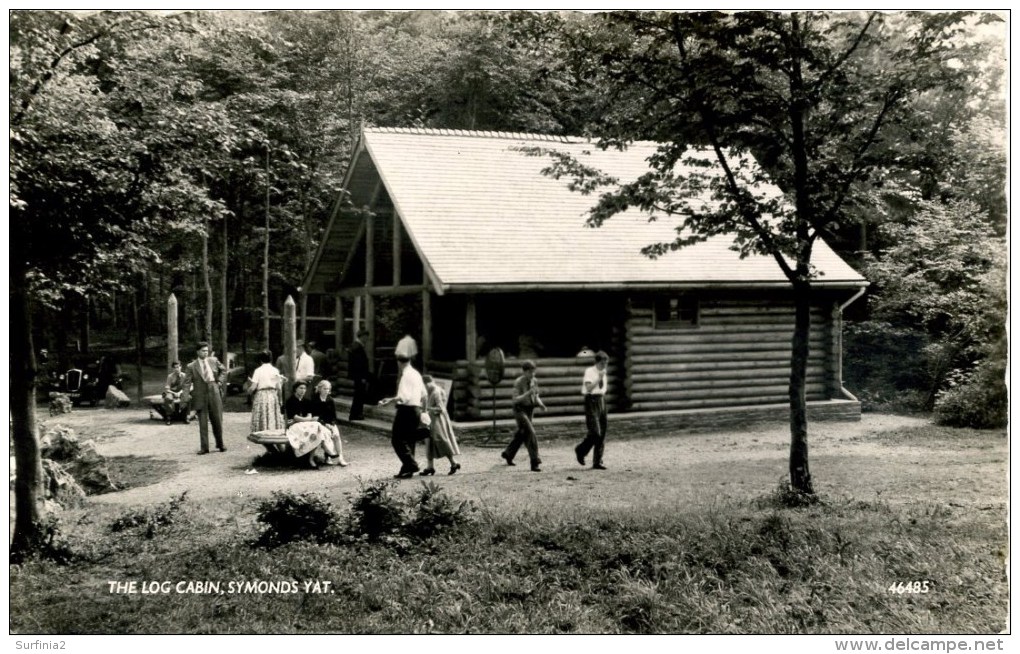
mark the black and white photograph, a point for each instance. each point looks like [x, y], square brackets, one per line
[424, 323]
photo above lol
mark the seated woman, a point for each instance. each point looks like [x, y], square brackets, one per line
[303, 432]
[324, 409]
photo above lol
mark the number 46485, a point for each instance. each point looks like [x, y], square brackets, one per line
[902, 587]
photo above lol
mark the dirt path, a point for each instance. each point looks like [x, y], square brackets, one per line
[670, 469]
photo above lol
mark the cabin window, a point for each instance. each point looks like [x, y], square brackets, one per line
[679, 312]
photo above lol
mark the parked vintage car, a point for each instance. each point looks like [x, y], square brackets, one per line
[82, 383]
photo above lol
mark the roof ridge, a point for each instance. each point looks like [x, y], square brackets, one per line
[431, 131]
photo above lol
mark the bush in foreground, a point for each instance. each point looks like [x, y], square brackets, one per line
[377, 515]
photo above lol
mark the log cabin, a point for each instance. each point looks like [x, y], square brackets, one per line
[464, 241]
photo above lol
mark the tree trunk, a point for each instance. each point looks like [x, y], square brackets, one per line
[207, 336]
[800, 475]
[136, 300]
[86, 305]
[29, 510]
[265, 265]
[224, 304]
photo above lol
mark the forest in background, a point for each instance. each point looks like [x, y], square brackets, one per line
[155, 152]
[149, 151]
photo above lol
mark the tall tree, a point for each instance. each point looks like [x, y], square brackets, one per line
[801, 99]
[95, 183]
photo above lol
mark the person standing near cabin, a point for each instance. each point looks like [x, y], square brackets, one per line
[357, 370]
[594, 388]
[410, 399]
[525, 399]
[318, 359]
[304, 369]
[203, 376]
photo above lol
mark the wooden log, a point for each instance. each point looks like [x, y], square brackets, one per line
[818, 372]
[781, 390]
[338, 325]
[486, 401]
[645, 331]
[426, 326]
[673, 405]
[654, 371]
[171, 332]
[546, 391]
[681, 339]
[654, 352]
[396, 249]
[691, 385]
[289, 342]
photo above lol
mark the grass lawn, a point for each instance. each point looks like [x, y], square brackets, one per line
[684, 534]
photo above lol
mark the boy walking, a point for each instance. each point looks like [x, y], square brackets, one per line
[594, 390]
[525, 399]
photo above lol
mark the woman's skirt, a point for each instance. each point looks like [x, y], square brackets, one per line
[442, 441]
[305, 437]
[265, 410]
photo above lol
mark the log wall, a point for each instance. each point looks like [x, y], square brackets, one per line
[559, 381]
[737, 355]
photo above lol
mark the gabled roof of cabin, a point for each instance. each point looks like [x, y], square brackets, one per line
[482, 215]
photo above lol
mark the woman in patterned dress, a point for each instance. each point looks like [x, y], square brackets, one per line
[442, 441]
[266, 383]
[303, 432]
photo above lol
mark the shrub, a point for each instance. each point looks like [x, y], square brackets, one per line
[151, 518]
[376, 511]
[379, 515]
[978, 400]
[434, 511]
[293, 517]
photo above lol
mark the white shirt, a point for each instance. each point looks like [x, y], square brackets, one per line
[593, 375]
[265, 376]
[411, 390]
[305, 367]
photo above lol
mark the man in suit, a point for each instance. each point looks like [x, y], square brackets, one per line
[204, 376]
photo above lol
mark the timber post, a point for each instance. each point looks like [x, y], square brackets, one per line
[171, 331]
[369, 282]
[338, 323]
[290, 340]
[426, 329]
[471, 331]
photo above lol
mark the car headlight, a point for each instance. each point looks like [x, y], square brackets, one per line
[61, 376]
[84, 376]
